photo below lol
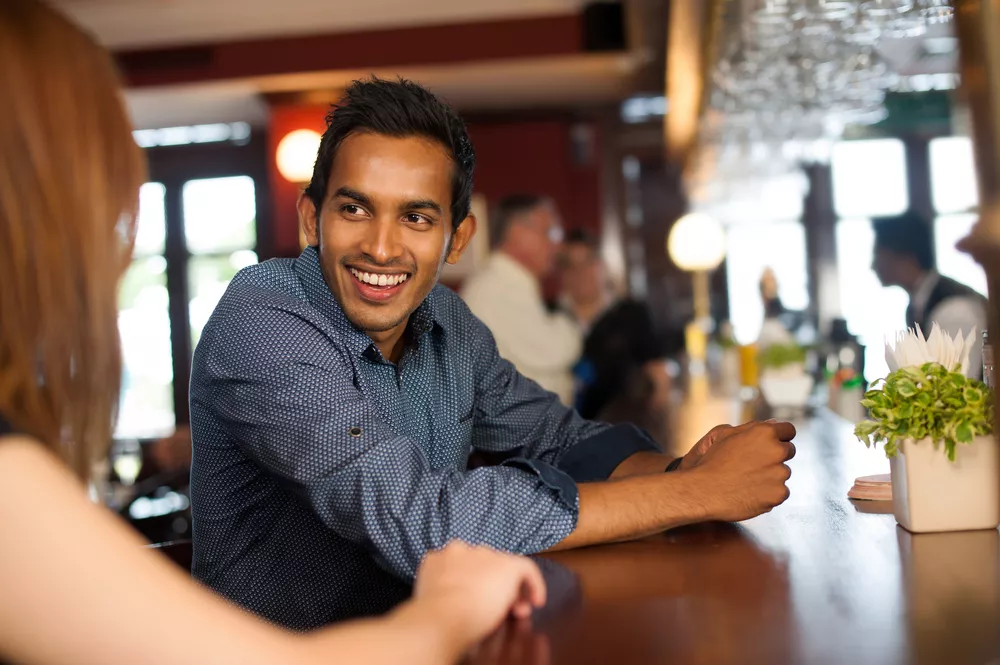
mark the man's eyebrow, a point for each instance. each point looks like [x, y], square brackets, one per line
[354, 195]
[424, 204]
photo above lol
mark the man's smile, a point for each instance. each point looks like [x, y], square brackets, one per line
[379, 286]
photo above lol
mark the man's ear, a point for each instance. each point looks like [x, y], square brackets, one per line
[308, 219]
[461, 238]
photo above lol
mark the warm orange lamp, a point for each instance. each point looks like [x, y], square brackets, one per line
[697, 244]
[295, 158]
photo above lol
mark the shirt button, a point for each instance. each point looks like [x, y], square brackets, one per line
[355, 431]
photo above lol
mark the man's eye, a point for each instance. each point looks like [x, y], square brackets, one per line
[352, 209]
[414, 218]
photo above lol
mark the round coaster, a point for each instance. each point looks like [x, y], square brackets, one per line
[879, 480]
[872, 488]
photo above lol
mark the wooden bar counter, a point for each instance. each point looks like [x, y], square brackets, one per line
[821, 579]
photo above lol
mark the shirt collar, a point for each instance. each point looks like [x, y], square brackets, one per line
[310, 273]
[920, 295]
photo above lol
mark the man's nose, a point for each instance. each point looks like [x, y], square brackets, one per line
[383, 240]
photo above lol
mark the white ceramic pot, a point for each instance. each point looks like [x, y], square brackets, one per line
[786, 388]
[931, 493]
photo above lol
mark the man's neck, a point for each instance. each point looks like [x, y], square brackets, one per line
[918, 280]
[391, 342]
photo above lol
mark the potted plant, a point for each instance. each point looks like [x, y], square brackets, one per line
[936, 424]
[784, 382]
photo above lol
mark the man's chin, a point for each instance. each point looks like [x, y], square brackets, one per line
[380, 323]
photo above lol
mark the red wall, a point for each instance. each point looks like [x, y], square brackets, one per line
[284, 194]
[516, 156]
[536, 157]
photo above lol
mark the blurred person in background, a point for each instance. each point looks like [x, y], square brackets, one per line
[622, 374]
[904, 257]
[336, 397]
[77, 584]
[778, 322]
[506, 295]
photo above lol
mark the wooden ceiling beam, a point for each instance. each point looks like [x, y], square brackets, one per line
[691, 31]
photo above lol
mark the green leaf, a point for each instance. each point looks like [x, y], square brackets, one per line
[933, 370]
[949, 446]
[890, 447]
[906, 387]
[972, 396]
[865, 428]
[963, 433]
[956, 379]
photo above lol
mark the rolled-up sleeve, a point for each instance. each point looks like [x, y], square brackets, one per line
[297, 413]
[513, 413]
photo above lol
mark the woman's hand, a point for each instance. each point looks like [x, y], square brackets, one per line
[476, 588]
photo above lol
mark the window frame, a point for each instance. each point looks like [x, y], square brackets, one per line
[172, 166]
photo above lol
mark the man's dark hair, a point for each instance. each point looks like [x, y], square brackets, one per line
[581, 237]
[908, 234]
[398, 109]
[507, 210]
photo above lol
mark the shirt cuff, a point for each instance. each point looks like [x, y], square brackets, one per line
[596, 457]
[551, 477]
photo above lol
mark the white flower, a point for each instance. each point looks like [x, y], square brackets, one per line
[912, 350]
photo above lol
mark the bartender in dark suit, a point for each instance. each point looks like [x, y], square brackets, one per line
[904, 256]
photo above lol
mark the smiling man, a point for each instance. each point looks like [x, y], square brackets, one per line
[335, 400]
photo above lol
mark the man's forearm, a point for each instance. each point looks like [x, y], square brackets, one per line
[636, 507]
[640, 464]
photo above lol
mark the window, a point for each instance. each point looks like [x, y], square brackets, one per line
[220, 230]
[147, 403]
[869, 180]
[953, 175]
[872, 311]
[955, 197]
[197, 227]
[948, 230]
[750, 249]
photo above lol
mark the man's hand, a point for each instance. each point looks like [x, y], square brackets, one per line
[736, 473]
[694, 456]
[743, 470]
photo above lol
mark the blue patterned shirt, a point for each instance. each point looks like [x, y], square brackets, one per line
[322, 473]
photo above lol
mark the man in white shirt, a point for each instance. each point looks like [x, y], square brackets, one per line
[904, 256]
[506, 295]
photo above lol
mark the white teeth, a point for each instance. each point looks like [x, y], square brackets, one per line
[379, 280]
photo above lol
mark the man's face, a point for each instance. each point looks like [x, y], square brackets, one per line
[540, 236]
[885, 263]
[384, 229]
[582, 274]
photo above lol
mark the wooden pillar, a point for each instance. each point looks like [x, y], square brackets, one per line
[978, 28]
